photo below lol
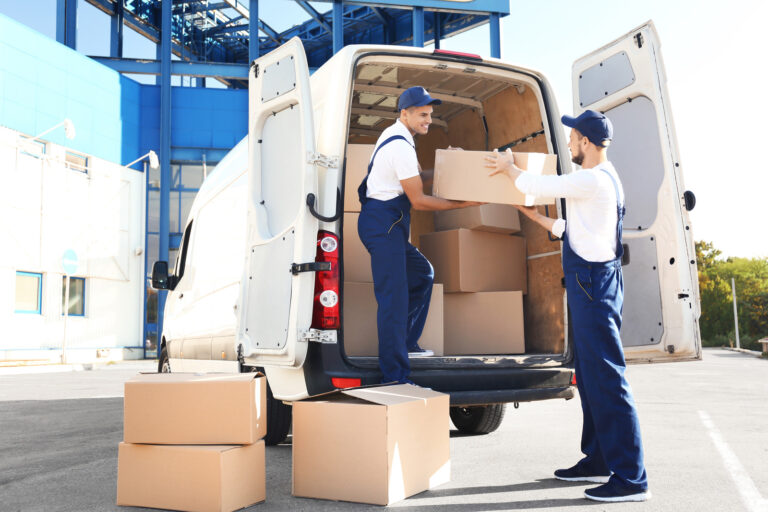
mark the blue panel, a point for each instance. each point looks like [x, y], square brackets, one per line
[500, 6]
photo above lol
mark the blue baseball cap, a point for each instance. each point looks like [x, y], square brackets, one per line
[593, 125]
[416, 97]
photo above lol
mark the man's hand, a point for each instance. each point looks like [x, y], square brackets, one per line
[503, 163]
[529, 211]
[451, 148]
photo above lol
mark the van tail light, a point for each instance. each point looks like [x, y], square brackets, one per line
[573, 379]
[325, 312]
[344, 383]
[459, 55]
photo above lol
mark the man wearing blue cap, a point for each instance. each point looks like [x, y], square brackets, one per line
[402, 276]
[592, 251]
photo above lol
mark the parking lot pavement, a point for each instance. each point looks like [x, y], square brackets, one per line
[704, 429]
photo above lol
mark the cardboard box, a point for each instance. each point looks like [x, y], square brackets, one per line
[358, 158]
[361, 336]
[186, 408]
[484, 323]
[462, 175]
[193, 478]
[357, 260]
[476, 261]
[373, 445]
[497, 218]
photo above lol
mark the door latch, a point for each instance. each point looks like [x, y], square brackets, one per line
[314, 266]
[329, 162]
[318, 336]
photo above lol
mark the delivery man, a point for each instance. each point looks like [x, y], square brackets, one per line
[592, 254]
[402, 276]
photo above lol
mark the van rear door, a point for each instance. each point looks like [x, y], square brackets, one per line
[626, 80]
[275, 303]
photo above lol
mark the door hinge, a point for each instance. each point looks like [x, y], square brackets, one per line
[314, 266]
[318, 336]
[329, 162]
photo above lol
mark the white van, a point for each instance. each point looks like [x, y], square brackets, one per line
[258, 283]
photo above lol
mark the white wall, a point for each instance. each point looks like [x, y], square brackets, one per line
[47, 208]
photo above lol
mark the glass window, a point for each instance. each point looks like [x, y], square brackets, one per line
[76, 161]
[173, 217]
[153, 211]
[76, 295]
[29, 291]
[191, 176]
[187, 198]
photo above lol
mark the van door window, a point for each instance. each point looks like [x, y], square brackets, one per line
[183, 256]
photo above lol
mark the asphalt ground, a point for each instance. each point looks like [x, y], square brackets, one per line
[704, 425]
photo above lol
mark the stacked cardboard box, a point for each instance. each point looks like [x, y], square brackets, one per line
[371, 445]
[193, 442]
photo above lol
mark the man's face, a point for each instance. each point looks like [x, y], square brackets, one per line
[417, 119]
[576, 147]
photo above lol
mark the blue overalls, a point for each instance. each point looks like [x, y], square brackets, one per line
[402, 277]
[610, 436]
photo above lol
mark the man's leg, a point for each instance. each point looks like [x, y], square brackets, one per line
[421, 277]
[593, 462]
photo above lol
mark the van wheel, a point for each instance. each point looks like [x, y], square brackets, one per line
[279, 418]
[163, 364]
[482, 419]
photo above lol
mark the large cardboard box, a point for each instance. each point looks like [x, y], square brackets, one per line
[357, 260]
[360, 332]
[484, 323]
[497, 218]
[462, 175]
[371, 445]
[358, 157]
[186, 408]
[476, 261]
[192, 478]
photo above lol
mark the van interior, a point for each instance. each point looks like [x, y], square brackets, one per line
[483, 108]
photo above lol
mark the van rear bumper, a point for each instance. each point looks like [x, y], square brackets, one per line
[476, 385]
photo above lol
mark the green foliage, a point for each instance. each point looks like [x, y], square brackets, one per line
[751, 277]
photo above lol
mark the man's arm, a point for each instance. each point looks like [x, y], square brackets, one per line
[414, 189]
[555, 226]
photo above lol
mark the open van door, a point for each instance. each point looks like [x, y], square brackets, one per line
[275, 303]
[626, 80]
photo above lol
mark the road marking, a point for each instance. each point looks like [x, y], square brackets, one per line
[744, 484]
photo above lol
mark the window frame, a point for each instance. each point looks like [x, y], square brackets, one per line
[64, 291]
[39, 310]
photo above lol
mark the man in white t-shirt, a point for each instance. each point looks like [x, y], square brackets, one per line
[592, 252]
[402, 276]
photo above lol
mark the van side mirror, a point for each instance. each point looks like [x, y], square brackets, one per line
[160, 278]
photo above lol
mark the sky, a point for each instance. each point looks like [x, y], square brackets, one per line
[714, 56]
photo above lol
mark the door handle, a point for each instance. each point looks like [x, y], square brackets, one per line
[311, 204]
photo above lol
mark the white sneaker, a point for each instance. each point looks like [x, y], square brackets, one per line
[421, 352]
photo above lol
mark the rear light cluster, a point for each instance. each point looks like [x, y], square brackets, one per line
[325, 312]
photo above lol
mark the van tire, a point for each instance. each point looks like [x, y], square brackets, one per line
[279, 418]
[482, 419]
[163, 364]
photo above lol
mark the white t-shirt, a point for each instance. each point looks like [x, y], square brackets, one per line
[394, 162]
[591, 208]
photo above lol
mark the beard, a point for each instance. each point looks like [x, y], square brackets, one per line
[578, 159]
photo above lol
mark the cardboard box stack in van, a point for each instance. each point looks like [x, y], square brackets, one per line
[360, 332]
[374, 445]
[193, 441]
[358, 157]
[496, 218]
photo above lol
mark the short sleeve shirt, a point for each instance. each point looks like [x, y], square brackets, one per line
[394, 162]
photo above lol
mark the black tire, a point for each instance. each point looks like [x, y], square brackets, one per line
[482, 419]
[163, 364]
[279, 418]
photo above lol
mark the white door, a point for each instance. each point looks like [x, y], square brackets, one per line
[626, 80]
[276, 305]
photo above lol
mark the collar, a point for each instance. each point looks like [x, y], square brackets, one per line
[403, 130]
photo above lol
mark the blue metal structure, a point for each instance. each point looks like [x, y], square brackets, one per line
[217, 39]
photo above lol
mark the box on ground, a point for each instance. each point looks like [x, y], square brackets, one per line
[186, 408]
[358, 157]
[360, 330]
[497, 218]
[462, 175]
[193, 478]
[357, 260]
[476, 261]
[484, 323]
[371, 445]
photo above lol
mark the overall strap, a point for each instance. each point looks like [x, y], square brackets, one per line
[390, 139]
[620, 210]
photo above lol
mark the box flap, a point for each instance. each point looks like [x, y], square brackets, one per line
[174, 378]
[392, 395]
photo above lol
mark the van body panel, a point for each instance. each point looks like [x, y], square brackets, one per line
[626, 80]
[275, 305]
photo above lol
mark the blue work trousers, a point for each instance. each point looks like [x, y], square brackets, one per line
[402, 282]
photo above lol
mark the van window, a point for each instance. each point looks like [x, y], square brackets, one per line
[183, 257]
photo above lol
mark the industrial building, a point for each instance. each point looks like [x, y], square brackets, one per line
[101, 156]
